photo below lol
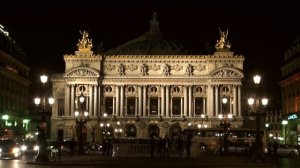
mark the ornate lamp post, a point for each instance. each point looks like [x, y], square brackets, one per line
[256, 104]
[105, 126]
[81, 118]
[267, 125]
[43, 154]
[118, 131]
[225, 124]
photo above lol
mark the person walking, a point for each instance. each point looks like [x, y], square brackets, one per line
[166, 146]
[152, 146]
[188, 145]
[71, 146]
[160, 146]
[180, 146]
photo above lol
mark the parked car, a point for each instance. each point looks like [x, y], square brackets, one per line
[9, 149]
[284, 150]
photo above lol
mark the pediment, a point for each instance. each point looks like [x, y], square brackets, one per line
[227, 73]
[82, 72]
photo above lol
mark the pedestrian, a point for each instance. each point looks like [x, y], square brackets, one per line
[160, 146]
[166, 146]
[275, 148]
[104, 146]
[180, 145]
[188, 145]
[71, 146]
[152, 146]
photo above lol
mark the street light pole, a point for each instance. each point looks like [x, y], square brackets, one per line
[43, 154]
[118, 131]
[81, 117]
[256, 108]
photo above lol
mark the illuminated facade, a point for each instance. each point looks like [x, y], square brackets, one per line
[290, 91]
[151, 85]
[14, 87]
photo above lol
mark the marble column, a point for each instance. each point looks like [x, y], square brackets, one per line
[234, 101]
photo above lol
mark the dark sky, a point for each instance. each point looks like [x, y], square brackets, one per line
[262, 32]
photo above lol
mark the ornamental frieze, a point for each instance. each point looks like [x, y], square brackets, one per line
[154, 67]
[177, 67]
[81, 73]
[132, 67]
[109, 67]
[200, 67]
[227, 73]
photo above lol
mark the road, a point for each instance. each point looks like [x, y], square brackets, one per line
[282, 162]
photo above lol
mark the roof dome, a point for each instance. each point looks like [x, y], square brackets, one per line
[151, 43]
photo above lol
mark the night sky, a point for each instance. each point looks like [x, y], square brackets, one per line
[261, 32]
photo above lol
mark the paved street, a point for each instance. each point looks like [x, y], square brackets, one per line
[124, 162]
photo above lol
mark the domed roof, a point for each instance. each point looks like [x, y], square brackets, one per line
[151, 43]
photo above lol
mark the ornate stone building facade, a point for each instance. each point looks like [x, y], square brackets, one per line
[151, 85]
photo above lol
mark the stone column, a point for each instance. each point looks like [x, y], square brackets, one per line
[73, 94]
[239, 102]
[140, 105]
[163, 101]
[167, 101]
[204, 106]
[234, 101]
[67, 100]
[210, 101]
[181, 106]
[217, 102]
[190, 101]
[90, 109]
[117, 102]
[100, 99]
[95, 95]
[144, 100]
[122, 102]
[185, 100]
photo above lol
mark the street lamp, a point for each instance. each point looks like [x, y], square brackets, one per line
[43, 154]
[267, 125]
[284, 123]
[118, 131]
[256, 104]
[81, 118]
[105, 126]
[225, 124]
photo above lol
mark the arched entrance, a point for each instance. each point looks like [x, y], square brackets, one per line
[175, 130]
[153, 130]
[130, 130]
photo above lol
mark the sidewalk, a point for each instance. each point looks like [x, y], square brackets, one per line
[210, 161]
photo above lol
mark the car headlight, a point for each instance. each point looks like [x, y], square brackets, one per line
[36, 148]
[16, 150]
[23, 147]
[0, 150]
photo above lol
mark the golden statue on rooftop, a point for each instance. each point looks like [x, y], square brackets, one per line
[223, 43]
[84, 44]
